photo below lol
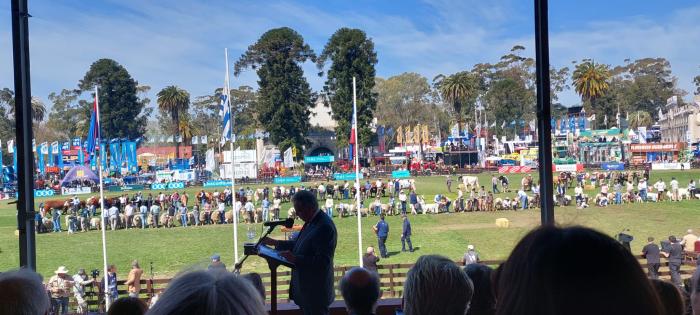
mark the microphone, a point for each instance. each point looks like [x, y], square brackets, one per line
[288, 223]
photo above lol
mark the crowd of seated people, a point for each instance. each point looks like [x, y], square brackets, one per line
[548, 272]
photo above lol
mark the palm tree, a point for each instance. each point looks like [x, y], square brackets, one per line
[640, 119]
[174, 100]
[459, 89]
[38, 108]
[591, 80]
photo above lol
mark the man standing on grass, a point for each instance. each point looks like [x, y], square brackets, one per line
[674, 189]
[675, 257]
[406, 234]
[653, 256]
[382, 231]
[133, 281]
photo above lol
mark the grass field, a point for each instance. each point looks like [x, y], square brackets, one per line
[177, 249]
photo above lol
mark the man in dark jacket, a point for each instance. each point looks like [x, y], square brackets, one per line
[406, 234]
[312, 254]
[653, 256]
[674, 253]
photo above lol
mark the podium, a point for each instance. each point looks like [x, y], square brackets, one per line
[274, 260]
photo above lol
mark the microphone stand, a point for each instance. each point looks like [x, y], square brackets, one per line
[237, 267]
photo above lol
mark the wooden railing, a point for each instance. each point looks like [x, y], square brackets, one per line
[392, 278]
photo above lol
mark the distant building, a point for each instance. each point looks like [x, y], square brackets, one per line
[680, 123]
[321, 116]
[321, 136]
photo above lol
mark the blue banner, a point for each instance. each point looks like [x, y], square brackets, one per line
[612, 166]
[76, 143]
[345, 176]
[103, 154]
[65, 145]
[401, 174]
[287, 180]
[60, 158]
[40, 161]
[171, 185]
[123, 160]
[14, 158]
[49, 159]
[133, 162]
[114, 153]
[217, 183]
[319, 159]
[43, 192]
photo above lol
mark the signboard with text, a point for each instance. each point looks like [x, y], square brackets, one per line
[287, 180]
[345, 176]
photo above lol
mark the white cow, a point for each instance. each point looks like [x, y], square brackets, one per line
[470, 182]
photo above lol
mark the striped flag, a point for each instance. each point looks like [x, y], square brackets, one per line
[351, 152]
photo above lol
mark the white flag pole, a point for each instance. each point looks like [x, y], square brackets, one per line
[233, 166]
[102, 204]
[357, 172]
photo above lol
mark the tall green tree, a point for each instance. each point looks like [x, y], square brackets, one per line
[174, 101]
[122, 112]
[406, 100]
[461, 90]
[205, 118]
[351, 54]
[69, 116]
[284, 96]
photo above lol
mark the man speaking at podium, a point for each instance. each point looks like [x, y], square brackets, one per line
[312, 253]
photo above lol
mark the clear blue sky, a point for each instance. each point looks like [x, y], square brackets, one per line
[181, 42]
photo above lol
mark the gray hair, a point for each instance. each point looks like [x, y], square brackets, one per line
[360, 290]
[23, 293]
[209, 293]
[436, 285]
[305, 199]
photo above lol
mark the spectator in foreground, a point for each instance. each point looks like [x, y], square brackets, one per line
[669, 296]
[209, 293]
[128, 306]
[694, 292]
[483, 302]
[256, 280]
[436, 285]
[23, 293]
[360, 290]
[549, 272]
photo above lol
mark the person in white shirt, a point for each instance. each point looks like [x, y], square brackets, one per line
[674, 189]
[222, 212]
[578, 193]
[249, 207]
[129, 213]
[402, 199]
[660, 187]
[113, 216]
[642, 187]
[329, 206]
[143, 211]
[523, 198]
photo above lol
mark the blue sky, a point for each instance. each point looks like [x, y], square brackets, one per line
[181, 42]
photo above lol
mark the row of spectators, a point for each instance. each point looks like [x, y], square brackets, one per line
[552, 270]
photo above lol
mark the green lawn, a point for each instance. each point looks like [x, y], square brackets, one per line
[177, 249]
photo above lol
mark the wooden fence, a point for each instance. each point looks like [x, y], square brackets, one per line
[392, 278]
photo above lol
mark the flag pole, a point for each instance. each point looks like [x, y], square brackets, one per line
[233, 167]
[357, 172]
[102, 205]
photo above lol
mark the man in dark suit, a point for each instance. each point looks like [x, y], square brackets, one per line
[406, 234]
[653, 256]
[312, 253]
[674, 253]
[382, 231]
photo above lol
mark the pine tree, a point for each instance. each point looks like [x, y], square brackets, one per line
[352, 55]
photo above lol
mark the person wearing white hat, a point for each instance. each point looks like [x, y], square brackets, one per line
[59, 286]
[471, 256]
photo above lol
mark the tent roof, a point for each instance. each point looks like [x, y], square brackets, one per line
[79, 172]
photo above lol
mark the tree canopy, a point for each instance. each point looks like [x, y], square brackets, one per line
[352, 55]
[284, 96]
[122, 113]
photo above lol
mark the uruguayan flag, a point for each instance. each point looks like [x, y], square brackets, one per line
[226, 116]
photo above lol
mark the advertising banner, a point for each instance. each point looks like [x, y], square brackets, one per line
[401, 174]
[217, 183]
[612, 166]
[287, 180]
[319, 159]
[567, 168]
[514, 169]
[75, 190]
[670, 166]
[345, 176]
[43, 192]
[171, 185]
